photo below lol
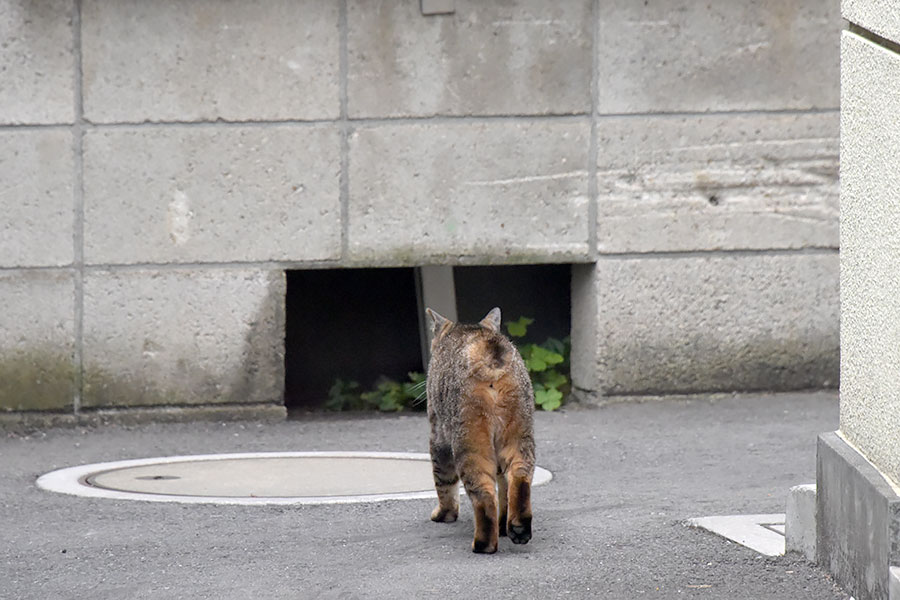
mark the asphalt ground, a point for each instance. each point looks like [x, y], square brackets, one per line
[609, 525]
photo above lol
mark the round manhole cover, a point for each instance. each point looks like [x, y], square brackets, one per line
[257, 478]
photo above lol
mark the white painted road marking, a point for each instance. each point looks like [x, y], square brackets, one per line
[77, 480]
[762, 533]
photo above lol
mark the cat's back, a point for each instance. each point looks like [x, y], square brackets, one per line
[448, 368]
[468, 358]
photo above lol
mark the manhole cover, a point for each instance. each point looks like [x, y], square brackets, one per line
[257, 478]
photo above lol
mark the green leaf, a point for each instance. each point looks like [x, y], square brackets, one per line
[535, 364]
[371, 399]
[412, 390]
[519, 328]
[554, 379]
[415, 387]
[388, 396]
[555, 345]
[390, 403]
[553, 405]
[552, 358]
[343, 395]
[540, 358]
[548, 399]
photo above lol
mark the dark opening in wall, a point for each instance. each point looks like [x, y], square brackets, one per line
[356, 324]
[360, 324]
[541, 292]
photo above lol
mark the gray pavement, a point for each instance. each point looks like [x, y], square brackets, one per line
[609, 525]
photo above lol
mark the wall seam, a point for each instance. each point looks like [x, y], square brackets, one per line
[624, 396]
[78, 229]
[461, 260]
[345, 130]
[736, 252]
[726, 113]
[405, 120]
[873, 37]
[35, 126]
[592, 168]
[418, 120]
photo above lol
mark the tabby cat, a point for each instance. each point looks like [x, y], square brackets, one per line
[481, 411]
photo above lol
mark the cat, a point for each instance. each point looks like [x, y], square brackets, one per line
[481, 412]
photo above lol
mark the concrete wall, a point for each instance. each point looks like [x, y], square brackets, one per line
[870, 236]
[717, 199]
[164, 162]
[858, 468]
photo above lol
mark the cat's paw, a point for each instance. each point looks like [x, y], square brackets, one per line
[444, 515]
[521, 533]
[484, 546]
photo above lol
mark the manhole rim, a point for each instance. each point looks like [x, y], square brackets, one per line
[72, 480]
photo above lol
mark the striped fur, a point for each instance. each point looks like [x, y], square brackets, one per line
[481, 412]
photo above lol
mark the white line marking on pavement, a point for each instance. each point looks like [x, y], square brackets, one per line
[762, 533]
[71, 480]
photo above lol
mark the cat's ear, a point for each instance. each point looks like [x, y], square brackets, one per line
[492, 320]
[437, 321]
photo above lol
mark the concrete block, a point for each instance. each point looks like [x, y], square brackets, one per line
[436, 290]
[682, 55]
[207, 60]
[800, 521]
[37, 340]
[585, 332]
[878, 16]
[182, 337]
[681, 183]
[858, 523]
[37, 64]
[191, 194]
[870, 257]
[454, 192]
[29, 422]
[714, 323]
[894, 586]
[217, 413]
[488, 58]
[36, 198]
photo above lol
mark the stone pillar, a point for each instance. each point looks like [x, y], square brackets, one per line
[858, 467]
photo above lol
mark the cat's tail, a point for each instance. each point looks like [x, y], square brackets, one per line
[488, 359]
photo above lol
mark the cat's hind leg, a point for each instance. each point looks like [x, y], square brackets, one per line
[478, 471]
[519, 475]
[519, 524]
[501, 497]
[446, 484]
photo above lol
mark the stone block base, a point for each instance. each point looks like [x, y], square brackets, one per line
[858, 523]
[28, 421]
[800, 521]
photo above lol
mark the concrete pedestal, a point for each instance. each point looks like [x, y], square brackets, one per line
[858, 527]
